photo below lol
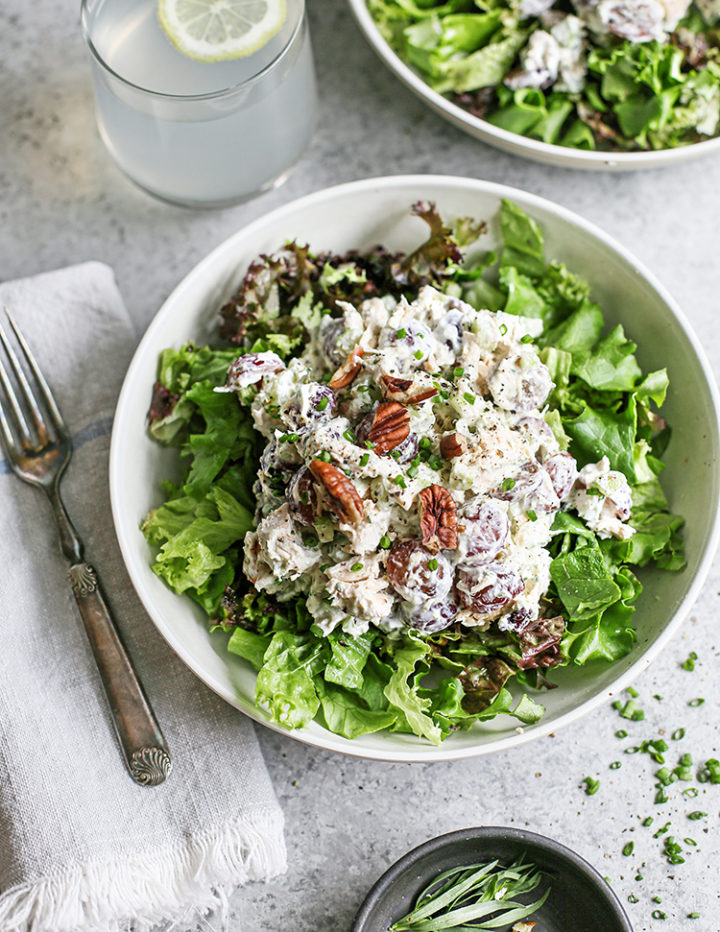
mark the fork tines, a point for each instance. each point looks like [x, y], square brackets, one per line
[20, 404]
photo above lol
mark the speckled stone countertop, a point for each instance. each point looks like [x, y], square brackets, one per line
[62, 201]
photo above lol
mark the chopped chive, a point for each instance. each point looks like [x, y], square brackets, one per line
[621, 733]
[658, 914]
[528, 338]
[324, 456]
[693, 915]
[458, 371]
[418, 354]
[435, 462]
[503, 329]
[470, 398]
[425, 443]
[401, 333]
[691, 842]
[656, 899]
[694, 703]
[678, 734]
[326, 378]
[691, 792]
[324, 566]
[398, 480]
[532, 515]
[661, 831]
[305, 498]
[323, 403]
[349, 436]
[356, 567]
[395, 454]
[632, 692]
[648, 821]
[628, 849]
[632, 898]
[384, 542]
[591, 786]
[508, 484]
[433, 564]
[689, 664]
[697, 815]
[364, 459]
[616, 765]
[369, 444]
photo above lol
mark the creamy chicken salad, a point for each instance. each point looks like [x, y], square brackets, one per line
[589, 74]
[420, 478]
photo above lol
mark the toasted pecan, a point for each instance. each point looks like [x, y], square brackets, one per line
[453, 445]
[390, 426]
[344, 497]
[438, 519]
[405, 390]
[348, 370]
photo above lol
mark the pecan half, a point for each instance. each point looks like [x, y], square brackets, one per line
[344, 497]
[438, 519]
[390, 426]
[405, 390]
[348, 370]
[452, 445]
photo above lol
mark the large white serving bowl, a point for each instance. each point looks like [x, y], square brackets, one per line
[359, 215]
[514, 143]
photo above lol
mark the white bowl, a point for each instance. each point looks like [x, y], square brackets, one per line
[360, 215]
[514, 143]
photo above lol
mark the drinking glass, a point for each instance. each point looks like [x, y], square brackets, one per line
[196, 133]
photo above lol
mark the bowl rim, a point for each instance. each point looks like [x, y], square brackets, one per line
[516, 143]
[480, 833]
[325, 740]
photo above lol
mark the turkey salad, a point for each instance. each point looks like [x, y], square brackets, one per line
[413, 479]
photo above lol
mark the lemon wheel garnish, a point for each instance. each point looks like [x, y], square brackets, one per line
[216, 30]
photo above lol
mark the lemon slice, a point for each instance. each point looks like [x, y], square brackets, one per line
[215, 30]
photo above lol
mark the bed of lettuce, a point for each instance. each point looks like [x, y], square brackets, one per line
[602, 405]
[638, 96]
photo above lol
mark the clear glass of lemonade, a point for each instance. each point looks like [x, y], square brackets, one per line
[197, 133]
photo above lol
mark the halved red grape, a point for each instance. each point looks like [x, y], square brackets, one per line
[433, 616]
[563, 472]
[417, 575]
[488, 588]
[486, 531]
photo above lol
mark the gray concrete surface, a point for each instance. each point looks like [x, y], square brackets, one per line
[62, 201]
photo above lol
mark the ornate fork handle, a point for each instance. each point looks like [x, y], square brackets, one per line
[141, 740]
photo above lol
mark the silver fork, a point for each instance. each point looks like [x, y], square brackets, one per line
[39, 454]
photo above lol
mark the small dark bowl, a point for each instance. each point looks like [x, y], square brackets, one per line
[579, 900]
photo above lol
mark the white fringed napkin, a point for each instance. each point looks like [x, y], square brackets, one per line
[82, 847]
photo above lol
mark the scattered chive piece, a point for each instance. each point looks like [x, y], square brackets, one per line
[621, 734]
[628, 849]
[591, 786]
[370, 445]
[325, 566]
[691, 792]
[435, 462]
[349, 436]
[693, 915]
[418, 354]
[673, 851]
[712, 767]
[470, 398]
[532, 515]
[639, 877]
[648, 821]
[659, 698]
[458, 371]
[656, 899]
[364, 459]
[678, 734]
[508, 484]
[528, 338]
[658, 914]
[632, 898]
[324, 456]
[384, 542]
[401, 333]
[689, 664]
[356, 567]
[398, 480]
[323, 404]
[697, 815]
[632, 692]
[690, 841]
[433, 564]
[616, 765]
[694, 703]
[661, 831]
[503, 329]
[395, 454]
[425, 443]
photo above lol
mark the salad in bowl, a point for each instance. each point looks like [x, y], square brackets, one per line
[413, 479]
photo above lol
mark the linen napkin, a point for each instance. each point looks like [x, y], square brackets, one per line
[82, 847]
